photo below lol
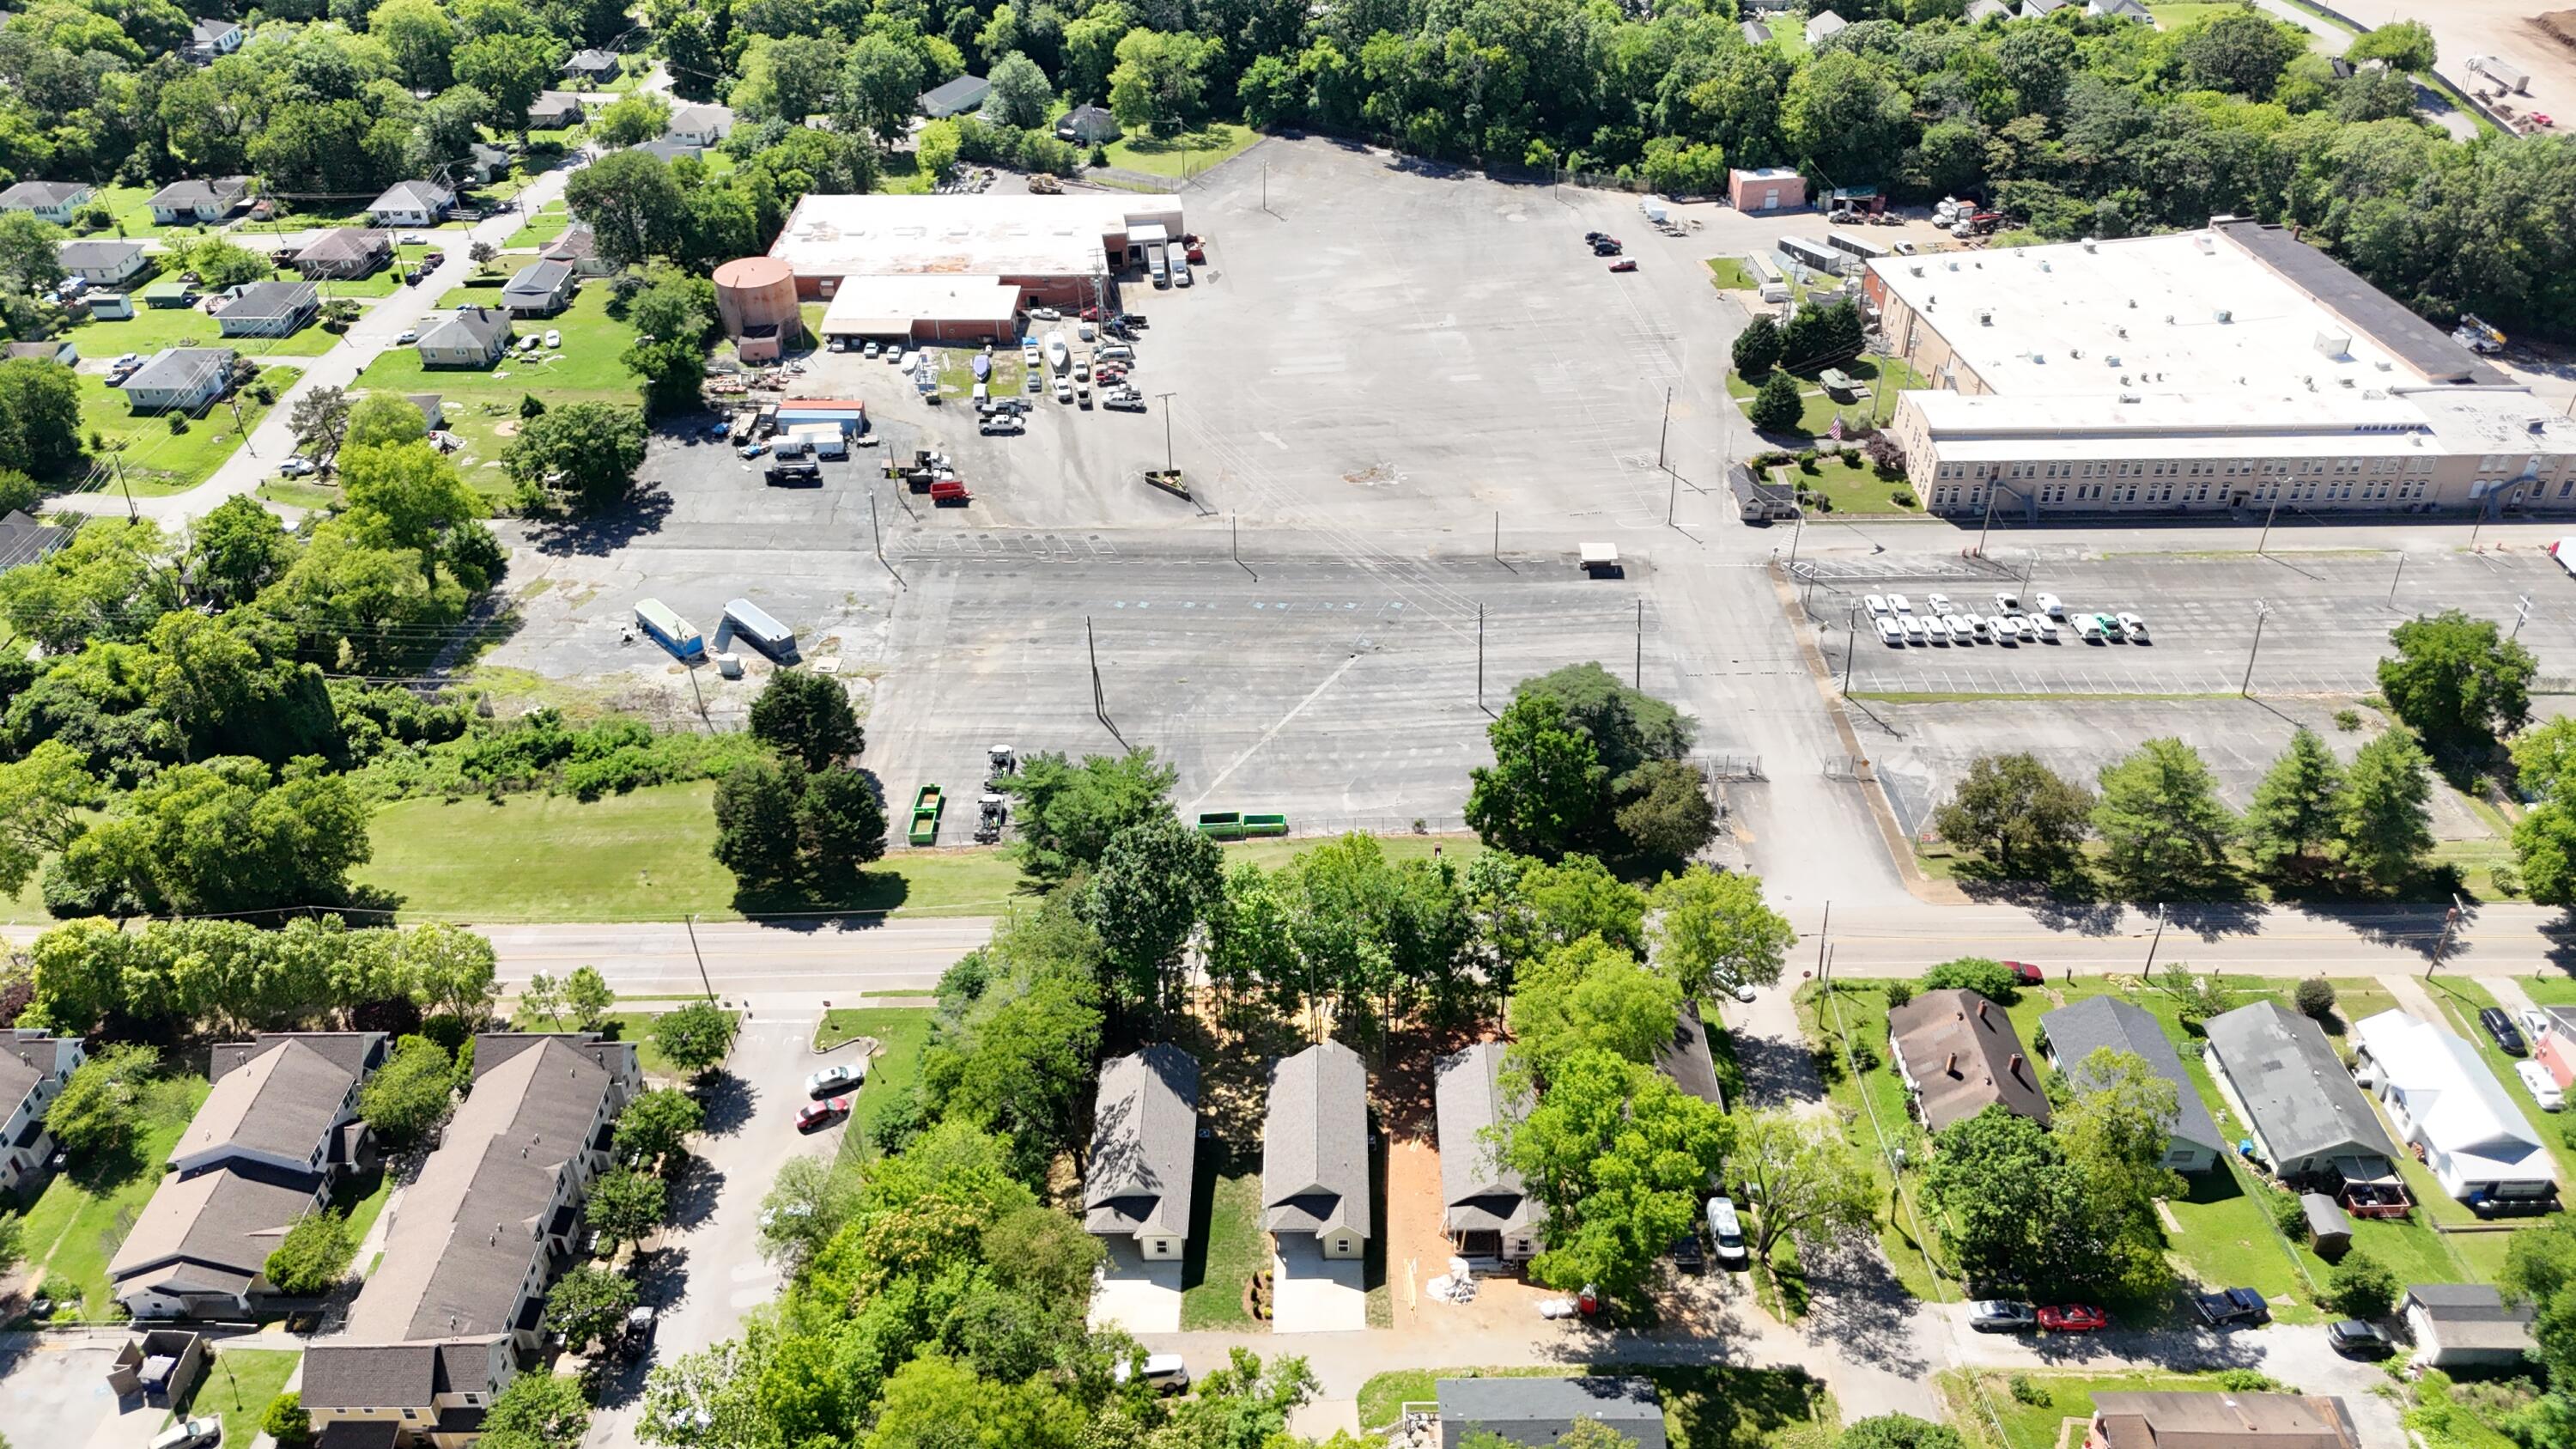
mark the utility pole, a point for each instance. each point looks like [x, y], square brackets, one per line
[1637, 681]
[2442, 947]
[2393, 578]
[131, 515]
[1672, 496]
[1480, 656]
[1821, 932]
[2262, 611]
[1667, 430]
[691, 921]
[1851, 646]
[2267, 521]
[1796, 535]
[1099, 702]
[879, 530]
[2481, 523]
[2521, 612]
[1166, 399]
[1498, 535]
[2158, 941]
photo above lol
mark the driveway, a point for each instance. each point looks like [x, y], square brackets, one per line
[1310, 1293]
[1136, 1295]
[706, 1271]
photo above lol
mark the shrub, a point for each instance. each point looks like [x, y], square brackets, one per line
[2027, 1390]
[178, 422]
[2247, 1381]
[2287, 1215]
[1904, 498]
[2507, 880]
[2362, 1286]
[1899, 993]
[2347, 720]
[1777, 406]
[287, 1422]
[1992, 980]
[2314, 996]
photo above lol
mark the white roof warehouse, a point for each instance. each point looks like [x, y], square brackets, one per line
[1056, 249]
[2230, 368]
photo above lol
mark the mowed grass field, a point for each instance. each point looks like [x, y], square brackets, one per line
[157, 461]
[76, 1226]
[648, 855]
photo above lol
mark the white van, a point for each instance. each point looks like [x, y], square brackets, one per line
[1726, 1232]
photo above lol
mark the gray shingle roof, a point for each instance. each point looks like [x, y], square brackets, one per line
[539, 279]
[468, 327]
[369, 1375]
[2076, 1032]
[220, 1223]
[207, 32]
[2293, 1085]
[1537, 1411]
[2473, 1315]
[270, 299]
[42, 193]
[1962, 1054]
[1144, 1144]
[345, 244]
[180, 369]
[956, 95]
[1686, 1058]
[79, 254]
[217, 191]
[354, 1052]
[1314, 1147]
[1483, 1194]
[281, 1102]
[414, 196]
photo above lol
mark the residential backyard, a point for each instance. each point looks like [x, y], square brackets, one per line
[1227, 1245]
[2061, 1396]
[238, 1385]
[152, 459]
[77, 1224]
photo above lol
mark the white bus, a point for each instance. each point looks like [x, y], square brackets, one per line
[752, 622]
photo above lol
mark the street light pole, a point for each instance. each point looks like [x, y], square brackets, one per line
[2262, 611]
[2450, 920]
[2522, 611]
[1851, 645]
[2267, 521]
[1166, 399]
[2158, 941]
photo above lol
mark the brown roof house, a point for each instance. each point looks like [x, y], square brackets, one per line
[1144, 1151]
[1957, 1054]
[33, 1067]
[345, 252]
[1489, 1212]
[278, 1126]
[439, 1327]
[2184, 1420]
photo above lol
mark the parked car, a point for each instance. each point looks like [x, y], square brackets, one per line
[2044, 628]
[295, 467]
[2052, 606]
[2231, 1305]
[2134, 627]
[1044, 314]
[2507, 1036]
[191, 1434]
[2356, 1339]
[554, 337]
[1997, 1315]
[1726, 1229]
[407, 336]
[1688, 1254]
[1937, 603]
[1875, 604]
[841, 1078]
[2007, 602]
[752, 450]
[2543, 1087]
[1888, 633]
[814, 1116]
[1064, 389]
[1117, 352]
[2073, 1318]
[873, 349]
[1001, 425]
[2535, 1023]
[1163, 1371]
[2025, 973]
[530, 343]
[1913, 627]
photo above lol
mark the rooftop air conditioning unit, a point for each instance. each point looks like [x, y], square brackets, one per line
[2130, 397]
[2223, 315]
[2091, 244]
[2111, 360]
[1985, 317]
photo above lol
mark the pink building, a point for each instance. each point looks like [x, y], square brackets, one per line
[2555, 1048]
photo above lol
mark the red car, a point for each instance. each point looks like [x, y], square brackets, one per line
[2073, 1318]
[816, 1115]
[1624, 264]
[2025, 973]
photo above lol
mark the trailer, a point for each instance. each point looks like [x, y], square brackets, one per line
[752, 622]
[1858, 246]
[926, 805]
[669, 630]
[826, 440]
[2503, 72]
[1236, 825]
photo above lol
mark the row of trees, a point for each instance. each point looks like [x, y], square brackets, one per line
[235, 978]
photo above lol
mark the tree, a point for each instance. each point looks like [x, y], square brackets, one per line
[30, 256]
[2457, 680]
[2361, 1286]
[543, 996]
[934, 1401]
[1582, 1434]
[385, 419]
[1593, 996]
[1155, 882]
[694, 1037]
[236, 550]
[44, 798]
[2313, 996]
[538, 1411]
[2407, 46]
[1777, 407]
[40, 427]
[1983, 975]
[1161, 77]
[2017, 812]
[587, 996]
[1757, 347]
[313, 1256]
[409, 1095]
[1715, 933]
[881, 83]
[756, 828]
[419, 37]
[2243, 51]
[1068, 813]
[319, 418]
[632, 120]
[631, 203]
[2386, 828]
[807, 717]
[408, 496]
[1544, 791]
[2544, 848]
[588, 450]
[2544, 756]
[1845, 112]
[625, 1205]
[452, 971]
[1664, 814]
[586, 1303]
[656, 1126]
[286, 1421]
[840, 827]
[101, 1103]
[1802, 1172]
[2299, 803]
[806, 1206]
[935, 149]
[2161, 818]
[513, 70]
[2115, 1124]
[1021, 96]
[1897, 1431]
[1621, 1158]
[2017, 1208]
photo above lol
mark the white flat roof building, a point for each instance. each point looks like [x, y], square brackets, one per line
[925, 308]
[2229, 368]
[1055, 246]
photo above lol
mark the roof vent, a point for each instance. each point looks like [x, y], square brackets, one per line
[1985, 316]
[2130, 397]
[2092, 244]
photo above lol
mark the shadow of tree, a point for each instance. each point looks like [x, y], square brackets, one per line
[691, 1198]
[728, 1099]
[597, 534]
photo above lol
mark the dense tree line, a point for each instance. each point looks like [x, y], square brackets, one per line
[235, 978]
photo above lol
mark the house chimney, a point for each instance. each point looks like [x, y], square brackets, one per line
[1950, 1067]
[1981, 1011]
[2015, 1067]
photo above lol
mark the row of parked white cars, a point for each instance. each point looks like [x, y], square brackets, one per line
[1944, 622]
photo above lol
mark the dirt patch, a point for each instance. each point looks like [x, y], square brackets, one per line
[2558, 25]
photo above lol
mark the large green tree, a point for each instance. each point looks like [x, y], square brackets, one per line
[2386, 825]
[2459, 681]
[1714, 932]
[2160, 819]
[1156, 880]
[582, 451]
[409, 1095]
[313, 1257]
[807, 717]
[1622, 1160]
[1066, 813]
[2298, 805]
[1812, 1187]
[2018, 813]
[1542, 796]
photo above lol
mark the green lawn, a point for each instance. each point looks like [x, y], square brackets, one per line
[483, 406]
[1183, 155]
[2068, 1396]
[1880, 378]
[1730, 274]
[542, 228]
[295, 494]
[76, 1226]
[152, 328]
[1852, 486]
[239, 1384]
[903, 176]
[132, 207]
[634, 1026]
[1226, 1247]
[904, 1030]
[1854, 1017]
[362, 1198]
[645, 855]
[157, 461]
[1705, 1406]
[2179, 15]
